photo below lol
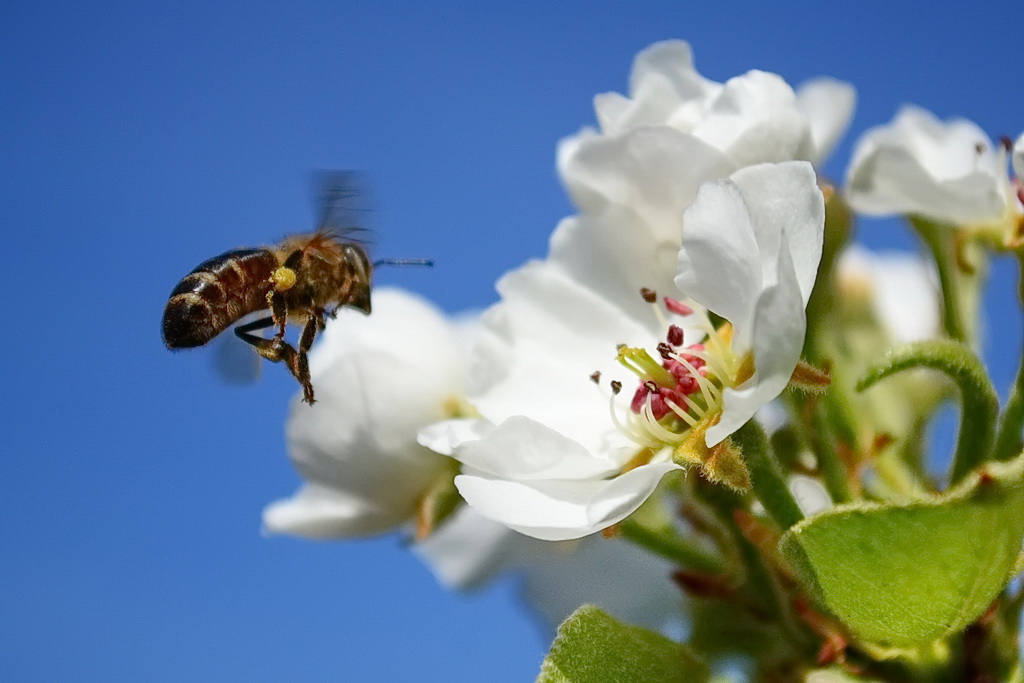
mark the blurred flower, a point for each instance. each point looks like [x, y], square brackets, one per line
[901, 289]
[885, 299]
[468, 550]
[378, 379]
[753, 118]
[1018, 161]
[946, 171]
[555, 466]
[809, 494]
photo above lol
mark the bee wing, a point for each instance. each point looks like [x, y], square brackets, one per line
[235, 361]
[342, 204]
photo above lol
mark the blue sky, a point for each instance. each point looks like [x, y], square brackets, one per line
[138, 140]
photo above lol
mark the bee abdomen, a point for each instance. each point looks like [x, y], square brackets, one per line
[215, 294]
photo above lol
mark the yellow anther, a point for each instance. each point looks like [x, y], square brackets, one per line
[641, 362]
[283, 279]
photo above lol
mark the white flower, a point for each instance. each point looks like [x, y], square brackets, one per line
[378, 379]
[902, 288]
[546, 458]
[753, 118]
[946, 171]
[556, 445]
[468, 550]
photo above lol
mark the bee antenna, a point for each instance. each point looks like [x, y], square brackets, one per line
[404, 262]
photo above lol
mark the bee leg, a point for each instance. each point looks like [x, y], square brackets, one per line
[276, 350]
[314, 324]
[321, 315]
[244, 332]
[278, 311]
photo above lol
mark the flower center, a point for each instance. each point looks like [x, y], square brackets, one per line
[682, 386]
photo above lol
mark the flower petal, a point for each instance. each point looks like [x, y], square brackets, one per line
[615, 256]
[755, 120]
[469, 549]
[810, 494]
[520, 448]
[614, 574]
[655, 170]
[828, 105]
[719, 264]
[561, 510]
[320, 512]
[361, 433]
[397, 316]
[778, 326]
[537, 349]
[785, 200]
[446, 436]
[663, 84]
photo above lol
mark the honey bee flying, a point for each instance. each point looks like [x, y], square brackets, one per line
[303, 280]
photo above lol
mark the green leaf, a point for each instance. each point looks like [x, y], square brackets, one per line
[593, 646]
[910, 574]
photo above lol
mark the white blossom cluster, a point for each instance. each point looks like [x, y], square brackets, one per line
[550, 409]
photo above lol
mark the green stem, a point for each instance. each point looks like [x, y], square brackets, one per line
[1008, 440]
[940, 241]
[829, 419]
[759, 586]
[978, 399]
[1011, 428]
[820, 439]
[767, 480]
[666, 543]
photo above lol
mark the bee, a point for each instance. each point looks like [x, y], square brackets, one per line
[304, 279]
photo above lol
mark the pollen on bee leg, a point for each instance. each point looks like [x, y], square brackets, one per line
[283, 278]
